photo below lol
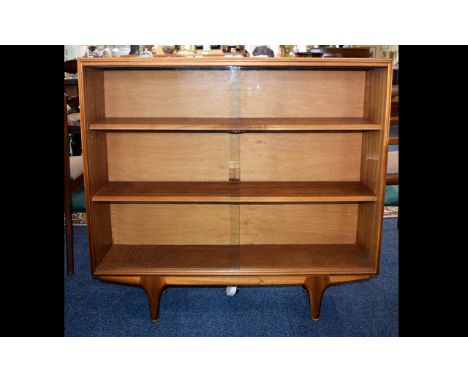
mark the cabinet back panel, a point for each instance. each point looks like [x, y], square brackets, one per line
[222, 93]
[167, 93]
[199, 224]
[170, 224]
[168, 157]
[301, 156]
[298, 223]
[301, 94]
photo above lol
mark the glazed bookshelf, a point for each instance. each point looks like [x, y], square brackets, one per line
[224, 171]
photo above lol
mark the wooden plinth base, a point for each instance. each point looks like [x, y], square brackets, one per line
[155, 285]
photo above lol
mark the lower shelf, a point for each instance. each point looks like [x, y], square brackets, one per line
[234, 260]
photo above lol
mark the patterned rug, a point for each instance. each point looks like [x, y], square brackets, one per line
[390, 212]
[79, 218]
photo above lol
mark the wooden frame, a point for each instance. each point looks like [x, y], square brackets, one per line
[70, 185]
[234, 171]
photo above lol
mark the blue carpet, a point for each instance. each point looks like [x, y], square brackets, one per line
[368, 308]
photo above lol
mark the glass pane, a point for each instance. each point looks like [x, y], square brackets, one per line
[234, 162]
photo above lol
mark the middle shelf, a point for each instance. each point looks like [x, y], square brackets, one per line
[235, 124]
[233, 192]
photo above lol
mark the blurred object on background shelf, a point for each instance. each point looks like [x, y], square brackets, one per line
[263, 50]
[146, 53]
[335, 52]
[172, 50]
[233, 49]
[92, 51]
[124, 50]
[287, 50]
[382, 51]
[159, 50]
[134, 50]
[70, 67]
[186, 50]
[388, 51]
[311, 50]
[106, 52]
[308, 54]
[168, 49]
[74, 103]
[209, 50]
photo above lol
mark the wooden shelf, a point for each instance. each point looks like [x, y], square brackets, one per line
[234, 124]
[233, 260]
[309, 258]
[225, 192]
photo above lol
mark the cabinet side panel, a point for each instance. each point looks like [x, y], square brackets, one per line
[374, 161]
[301, 156]
[92, 106]
[301, 93]
[168, 93]
[168, 157]
[298, 223]
[94, 162]
[170, 224]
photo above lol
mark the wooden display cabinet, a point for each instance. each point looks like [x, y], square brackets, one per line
[225, 171]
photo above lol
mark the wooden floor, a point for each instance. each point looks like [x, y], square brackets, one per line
[234, 260]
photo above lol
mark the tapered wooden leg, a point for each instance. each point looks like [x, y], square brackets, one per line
[153, 286]
[69, 233]
[316, 285]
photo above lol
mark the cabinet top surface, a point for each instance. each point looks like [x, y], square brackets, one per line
[234, 61]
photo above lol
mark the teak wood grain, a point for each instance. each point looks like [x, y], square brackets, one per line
[168, 157]
[185, 93]
[219, 260]
[234, 124]
[298, 223]
[170, 223]
[216, 94]
[199, 224]
[301, 157]
[227, 171]
[91, 90]
[233, 192]
[306, 94]
[374, 161]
